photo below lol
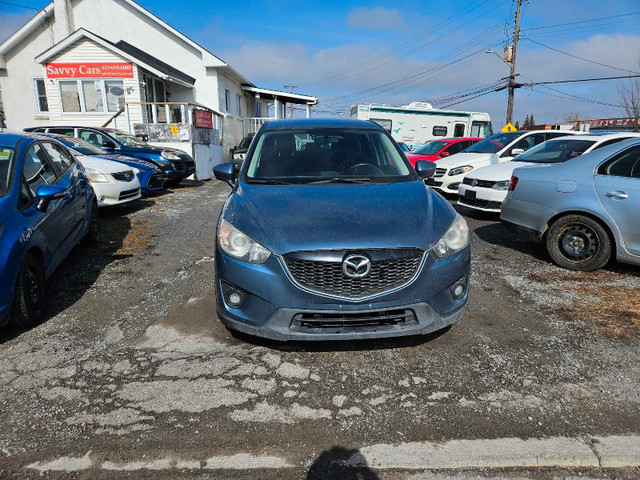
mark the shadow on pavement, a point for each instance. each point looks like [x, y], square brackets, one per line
[497, 234]
[340, 345]
[339, 463]
[82, 267]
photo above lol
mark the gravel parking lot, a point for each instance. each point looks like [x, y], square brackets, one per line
[134, 377]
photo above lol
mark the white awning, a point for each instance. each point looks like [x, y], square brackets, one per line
[283, 97]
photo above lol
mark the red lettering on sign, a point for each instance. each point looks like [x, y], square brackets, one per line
[89, 70]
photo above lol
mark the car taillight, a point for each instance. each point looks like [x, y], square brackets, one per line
[514, 182]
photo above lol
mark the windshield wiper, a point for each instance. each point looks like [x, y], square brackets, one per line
[262, 181]
[342, 180]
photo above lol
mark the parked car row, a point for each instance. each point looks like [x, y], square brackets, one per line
[581, 198]
[52, 182]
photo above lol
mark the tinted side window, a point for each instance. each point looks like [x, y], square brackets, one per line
[439, 131]
[610, 142]
[61, 159]
[529, 141]
[37, 170]
[456, 147]
[550, 135]
[92, 137]
[63, 131]
[625, 164]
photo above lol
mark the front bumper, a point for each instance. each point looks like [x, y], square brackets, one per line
[117, 193]
[478, 198]
[446, 183]
[274, 301]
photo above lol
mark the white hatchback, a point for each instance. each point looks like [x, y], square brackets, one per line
[486, 188]
[498, 148]
[113, 182]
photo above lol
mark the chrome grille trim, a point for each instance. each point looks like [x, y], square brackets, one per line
[440, 172]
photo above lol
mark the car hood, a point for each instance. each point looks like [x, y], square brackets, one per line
[104, 166]
[475, 159]
[132, 162]
[414, 157]
[339, 216]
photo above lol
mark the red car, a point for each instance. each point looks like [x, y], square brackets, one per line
[437, 149]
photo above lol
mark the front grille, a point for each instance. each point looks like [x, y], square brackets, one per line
[155, 181]
[178, 166]
[125, 176]
[480, 183]
[128, 193]
[440, 172]
[321, 322]
[321, 272]
[479, 203]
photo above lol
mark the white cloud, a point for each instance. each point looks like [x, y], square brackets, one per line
[377, 18]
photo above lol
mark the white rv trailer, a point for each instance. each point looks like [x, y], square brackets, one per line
[419, 122]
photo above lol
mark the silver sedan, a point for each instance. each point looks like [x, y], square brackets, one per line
[585, 211]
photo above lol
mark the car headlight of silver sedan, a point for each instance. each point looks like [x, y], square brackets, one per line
[502, 185]
[238, 245]
[460, 170]
[455, 239]
[96, 176]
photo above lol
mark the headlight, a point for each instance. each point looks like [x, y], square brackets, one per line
[96, 176]
[169, 155]
[235, 243]
[503, 185]
[456, 238]
[460, 170]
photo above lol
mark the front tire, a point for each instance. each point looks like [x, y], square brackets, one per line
[93, 235]
[29, 299]
[578, 242]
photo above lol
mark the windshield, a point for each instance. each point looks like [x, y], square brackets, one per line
[6, 170]
[326, 156]
[555, 151]
[430, 148]
[127, 140]
[494, 144]
[246, 141]
[80, 146]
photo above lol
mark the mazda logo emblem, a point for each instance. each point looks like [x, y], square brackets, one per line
[474, 182]
[356, 266]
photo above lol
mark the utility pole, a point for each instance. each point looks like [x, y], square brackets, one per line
[291, 87]
[512, 75]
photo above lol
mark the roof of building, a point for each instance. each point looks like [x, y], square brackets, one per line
[125, 50]
[289, 97]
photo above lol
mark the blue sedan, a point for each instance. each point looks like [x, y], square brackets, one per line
[47, 206]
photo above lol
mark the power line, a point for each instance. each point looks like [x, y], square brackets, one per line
[583, 21]
[578, 57]
[597, 79]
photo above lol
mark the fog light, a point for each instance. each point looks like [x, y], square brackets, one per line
[459, 289]
[233, 296]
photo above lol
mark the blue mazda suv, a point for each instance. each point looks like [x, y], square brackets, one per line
[330, 234]
[47, 206]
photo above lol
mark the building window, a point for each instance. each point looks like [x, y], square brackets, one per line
[41, 95]
[239, 105]
[97, 96]
[69, 96]
[227, 100]
[259, 108]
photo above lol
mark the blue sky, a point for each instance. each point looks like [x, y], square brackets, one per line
[348, 52]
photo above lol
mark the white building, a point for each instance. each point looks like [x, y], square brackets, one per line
[113, 63]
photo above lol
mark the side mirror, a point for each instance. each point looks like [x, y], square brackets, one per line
[444, 154]
[47, 193]
[109, 144]
[226, 172]
[425, 169]
[517, 151]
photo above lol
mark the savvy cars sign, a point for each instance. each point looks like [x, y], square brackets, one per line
[90, 70]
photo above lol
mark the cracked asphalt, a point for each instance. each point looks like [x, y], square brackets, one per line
[133, 363]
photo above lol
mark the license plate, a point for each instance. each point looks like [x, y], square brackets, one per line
[469, 195]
